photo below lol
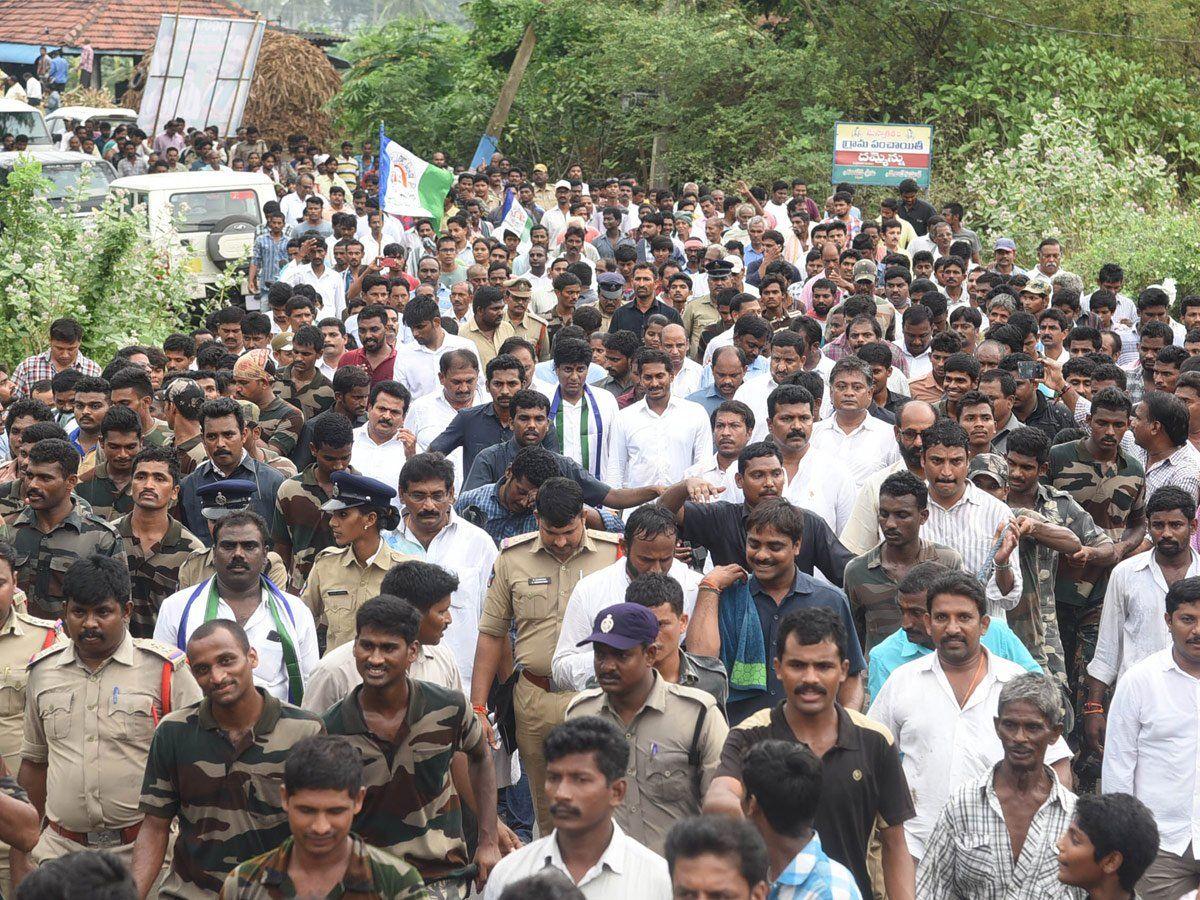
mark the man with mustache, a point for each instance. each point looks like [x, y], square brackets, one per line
[862, 780]
[1137, 587]
[675, 733]
[93, 703]
[475, 428]
[941, 708]
[1014, 812]
[1152, 739]
[106, 487]
[55, 528]
[12, 493]
[279, 624]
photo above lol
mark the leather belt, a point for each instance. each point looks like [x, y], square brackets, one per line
[540, 681]
[112, 837]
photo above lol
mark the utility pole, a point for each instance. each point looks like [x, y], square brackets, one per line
[658, 150]
[508, 93]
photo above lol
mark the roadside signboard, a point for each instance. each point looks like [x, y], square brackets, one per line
[870, 153]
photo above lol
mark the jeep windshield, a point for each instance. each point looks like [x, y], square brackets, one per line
[204, 210]
[66, 178]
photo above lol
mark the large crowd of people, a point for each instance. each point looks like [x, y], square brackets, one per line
[685, 543]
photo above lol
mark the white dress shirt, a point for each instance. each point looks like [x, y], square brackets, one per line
[329, 285]
[918, 366]
[428, 417]
[382, 462]
[291, 205]
[417, 365]
[724, 339]
[336, 675]
[754, 392]
[710, 470]
[648, 448]
[468, 551]
[626, 869]
[599, 427]
[571, 665]
[1132, 626]
[687, 379]
[969, 527]
[823, 486]
[942, 745]
[1152, 746]
[867, 448]
[270, 674]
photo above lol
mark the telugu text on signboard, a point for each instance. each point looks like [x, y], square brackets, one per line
[868, 153]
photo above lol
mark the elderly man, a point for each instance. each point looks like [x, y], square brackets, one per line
[1015, 812]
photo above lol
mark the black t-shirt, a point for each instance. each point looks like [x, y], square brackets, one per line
[862, 778]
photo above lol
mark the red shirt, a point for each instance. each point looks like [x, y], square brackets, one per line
[383, 372]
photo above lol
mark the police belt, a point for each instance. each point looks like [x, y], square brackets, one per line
[111, 837]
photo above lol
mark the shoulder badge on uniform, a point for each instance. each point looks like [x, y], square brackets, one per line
[517, 540]
[49, 651]
[583, 696]
[173, 655]
[606, 537]
[332, 550]
[50, 624]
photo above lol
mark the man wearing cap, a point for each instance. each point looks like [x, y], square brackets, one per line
[1034, 296]
[253, 380]
[675, 733]
[525, 324]
[554, 220]
[345, 576]
[989, 472]
[279, 625]
[217, 500]
[701, 311]
[1004, 256]
[610, 294]
[543, 194]
[182, 399]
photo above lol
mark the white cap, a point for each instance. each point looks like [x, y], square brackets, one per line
[562, 184]
[736, 262]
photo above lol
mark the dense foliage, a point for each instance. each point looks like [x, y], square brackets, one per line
[101, 269]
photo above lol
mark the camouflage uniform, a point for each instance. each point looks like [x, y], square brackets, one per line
[280, 464]
[872, 593]
[411, 810]
[300, 524]
[12, 499]
[43, 559]
[189, 454]
[107, 500]
[370, 873]
[312, 399]
[154, 570]
[280, 423]
[158, 436]
[1035, 618]
[1114, 494]
[225, 797]
[199, 567]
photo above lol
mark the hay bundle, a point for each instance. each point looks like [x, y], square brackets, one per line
[293, 80]
[81, 96]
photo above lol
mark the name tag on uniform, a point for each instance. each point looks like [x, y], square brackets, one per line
[338, 592]
[539, 580]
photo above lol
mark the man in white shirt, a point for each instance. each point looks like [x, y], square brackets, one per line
[431, 530]
[917, 329]
[279, 625]
[382, 443]
[1153, 741]
[1132, 624]
[856, 440]
[648, 545]
[687, 374]
[417, 363]
[941, 707]
[586, 763]
[584, 416]
[291, 204]
[458, 373]
[788, 352]
[329, 285]
[732, 424]
[656, 439]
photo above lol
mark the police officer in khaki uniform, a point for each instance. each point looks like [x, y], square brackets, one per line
[675, 733]
[525, 324]
[531, 582]
[218, 500]
[92, 707]
[345, 577]
[21, 636]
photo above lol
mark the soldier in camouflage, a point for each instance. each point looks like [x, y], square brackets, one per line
[182, 399]
[131, 387]
[156, 543]
[106, 487]
[12, 493]
[323, 776]
[1050, 523]
[253, 376]
[299, 528]
[407, 732]
[55, 528]
[216, 767]
[302, 384]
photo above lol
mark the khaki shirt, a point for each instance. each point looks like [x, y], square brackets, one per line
[533, 329]
[21, 637]
[199, 567]
[338, 584]
[93, 729]
[529, 585]
[488, 347]
[699, 313]
[663, 787]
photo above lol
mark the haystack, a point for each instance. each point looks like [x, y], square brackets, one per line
[293, 80]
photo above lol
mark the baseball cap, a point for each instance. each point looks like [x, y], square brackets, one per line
[993, 465]
[736, 263]
[540, 167]
[562, 184]
[1039, 287]
[1005, 244]
[864, 270]
[623, 626]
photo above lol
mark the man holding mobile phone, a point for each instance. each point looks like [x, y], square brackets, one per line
[1030, 405]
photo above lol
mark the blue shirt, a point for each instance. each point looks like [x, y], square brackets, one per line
[896, 649]
[806, 593]
[814, 876]
[58, 70]
[708, 397]
[760, 364]
[270, 256]
[502, 523]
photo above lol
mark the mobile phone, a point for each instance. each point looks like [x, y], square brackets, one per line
[1029, 371]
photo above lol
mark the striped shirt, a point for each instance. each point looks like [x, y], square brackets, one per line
[814, 876]
[269, 256]
[970, 853]
[1181, 469]
[969, 526]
